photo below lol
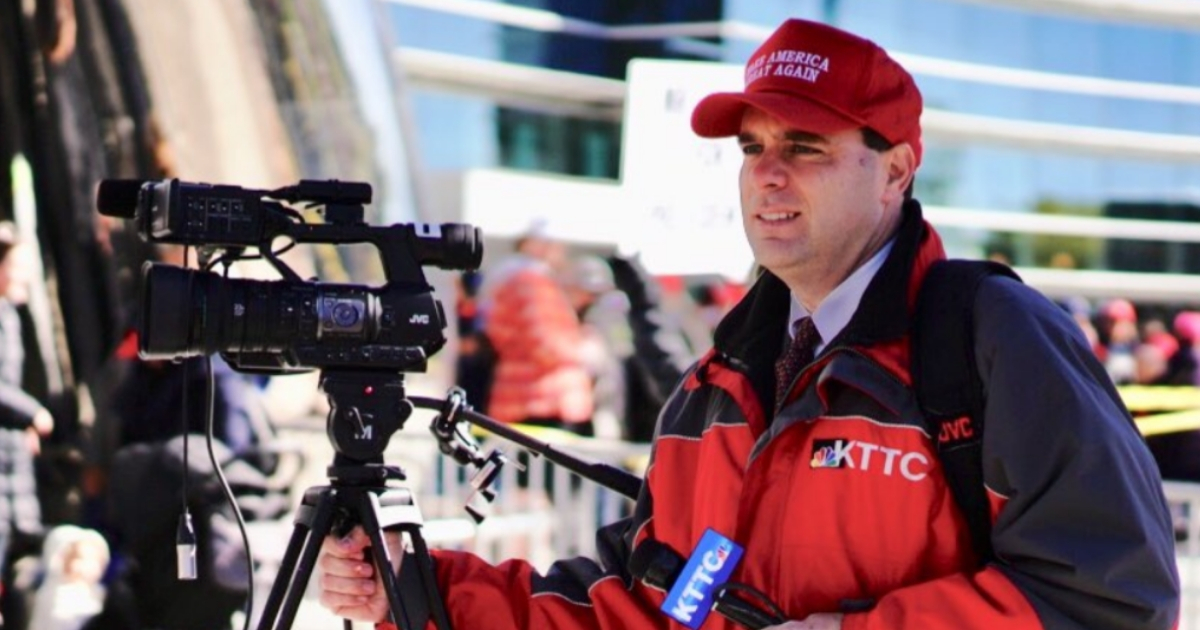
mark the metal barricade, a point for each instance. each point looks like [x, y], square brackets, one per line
[541, 514]
[1184, 499]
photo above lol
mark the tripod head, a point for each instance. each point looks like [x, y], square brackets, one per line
[365, 408]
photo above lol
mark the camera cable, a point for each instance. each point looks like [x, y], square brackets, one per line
[217, 470]
[185, 534]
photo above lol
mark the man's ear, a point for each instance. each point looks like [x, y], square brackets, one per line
[901, 167]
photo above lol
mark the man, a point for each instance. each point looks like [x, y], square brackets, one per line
[23, 423]
[540, 377]
[831, 483]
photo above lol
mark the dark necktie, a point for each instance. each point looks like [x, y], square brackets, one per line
[798, 354]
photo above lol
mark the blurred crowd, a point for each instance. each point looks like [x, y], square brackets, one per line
[1158, 348]
[1154, 347]
[580, 342]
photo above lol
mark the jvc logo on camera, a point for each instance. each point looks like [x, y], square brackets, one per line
[710, 566]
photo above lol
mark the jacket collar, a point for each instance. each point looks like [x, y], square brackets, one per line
[750, 336]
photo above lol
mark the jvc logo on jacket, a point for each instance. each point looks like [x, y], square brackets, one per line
[710, 566]
[867, 457]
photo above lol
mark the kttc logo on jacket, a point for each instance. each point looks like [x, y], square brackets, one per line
[867, 457]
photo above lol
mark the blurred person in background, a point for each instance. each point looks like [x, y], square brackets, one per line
[660, 353]
[1183, 367]
[1178, 453]
[540, 376]
[1117, 325]
[606, 340]
[636, 353]
[71, 594]
[1080, 310]
[682, 310]
[475, 364]
[23, 423]
[799, 437]
[1153, 356]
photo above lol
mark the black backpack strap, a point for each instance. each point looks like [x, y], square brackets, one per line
[948, 386]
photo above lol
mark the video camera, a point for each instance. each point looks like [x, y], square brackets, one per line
[361, 338]
[291, 324]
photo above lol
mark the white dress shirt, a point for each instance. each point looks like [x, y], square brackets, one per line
[835, 311]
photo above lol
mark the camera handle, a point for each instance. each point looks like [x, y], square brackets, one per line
[358, 495]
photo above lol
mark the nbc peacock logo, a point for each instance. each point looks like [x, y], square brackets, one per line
[828, 453]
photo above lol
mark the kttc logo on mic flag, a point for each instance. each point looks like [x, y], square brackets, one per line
[710, 565]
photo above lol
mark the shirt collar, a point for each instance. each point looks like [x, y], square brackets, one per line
[838, 307]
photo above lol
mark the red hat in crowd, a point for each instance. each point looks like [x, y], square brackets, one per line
[820, 79]
[1187, 326]
[1165, 343]
[1119, 310]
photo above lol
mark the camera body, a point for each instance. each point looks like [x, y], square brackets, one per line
[291, 324]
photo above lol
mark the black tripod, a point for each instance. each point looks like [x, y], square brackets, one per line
[365, 409]
[358, 496]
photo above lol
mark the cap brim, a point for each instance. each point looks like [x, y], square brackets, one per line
[720, 115]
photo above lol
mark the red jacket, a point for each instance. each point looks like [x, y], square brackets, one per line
[539, 371]
[839, 495]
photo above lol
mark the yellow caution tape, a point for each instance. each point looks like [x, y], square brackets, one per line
[1142, 398]
[1174, 422]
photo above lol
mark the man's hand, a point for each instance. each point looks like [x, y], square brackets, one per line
[43, 422]
[350, 586]
[817, 621]
[42, 426]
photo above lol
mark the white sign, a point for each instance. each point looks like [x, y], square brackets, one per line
[683, 211]
[507, 204]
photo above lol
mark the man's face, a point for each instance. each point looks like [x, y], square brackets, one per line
[814, 207]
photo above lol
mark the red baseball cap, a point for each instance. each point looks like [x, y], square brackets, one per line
[1119, 310]
[823, 80]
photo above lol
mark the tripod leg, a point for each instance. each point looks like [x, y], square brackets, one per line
[295, 581]
[409, 610]
[428, 579]
[401, 614]
[287, 568]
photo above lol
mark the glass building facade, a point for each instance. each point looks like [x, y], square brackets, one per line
[467, 129]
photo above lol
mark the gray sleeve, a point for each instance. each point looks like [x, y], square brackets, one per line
[17, 408]
[1085, 532]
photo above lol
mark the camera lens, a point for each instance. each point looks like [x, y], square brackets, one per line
[282, 324]
[189, 313]
[166, 316]
[345, 315]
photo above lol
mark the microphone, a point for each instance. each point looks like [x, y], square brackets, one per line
[690, 600]
[698, 586]
[118, 197]
[691, 583]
